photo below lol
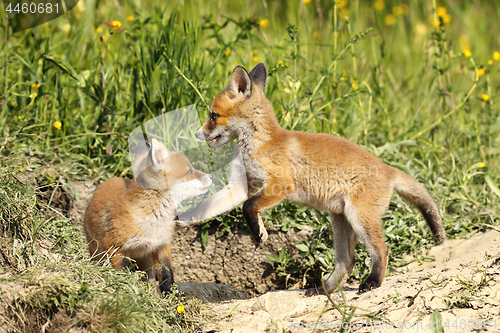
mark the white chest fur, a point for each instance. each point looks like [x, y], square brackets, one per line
[157, 229]
[253, 169]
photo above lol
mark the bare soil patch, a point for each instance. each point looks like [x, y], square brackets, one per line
[462, 284]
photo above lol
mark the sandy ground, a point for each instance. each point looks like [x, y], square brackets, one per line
[462, 284]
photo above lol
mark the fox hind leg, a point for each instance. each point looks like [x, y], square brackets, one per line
[344, 240]
[366, 223]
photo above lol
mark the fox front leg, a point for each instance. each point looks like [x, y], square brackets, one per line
[268, 196]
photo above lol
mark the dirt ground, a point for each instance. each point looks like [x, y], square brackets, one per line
[462, 284]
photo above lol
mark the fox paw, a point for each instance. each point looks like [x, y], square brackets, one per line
[368, 285]
[314, 292]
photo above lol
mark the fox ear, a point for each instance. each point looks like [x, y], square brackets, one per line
[157, 154]
[258, 76]
[240, 82]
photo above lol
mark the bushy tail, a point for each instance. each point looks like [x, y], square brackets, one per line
[417, 195]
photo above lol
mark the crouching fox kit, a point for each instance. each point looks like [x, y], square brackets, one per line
[134, 219]
[324, 171]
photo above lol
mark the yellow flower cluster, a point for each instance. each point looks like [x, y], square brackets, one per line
[391, 18]
[496, 56]
[442, 13]
[379, 5]
[116, 25]
[264, 23]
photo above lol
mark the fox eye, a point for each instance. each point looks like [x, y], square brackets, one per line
[213, 116]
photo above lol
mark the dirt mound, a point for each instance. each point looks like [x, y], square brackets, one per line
[231, 259]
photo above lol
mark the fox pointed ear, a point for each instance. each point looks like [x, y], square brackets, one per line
[158, 154]
[258, 76]
[240, 82]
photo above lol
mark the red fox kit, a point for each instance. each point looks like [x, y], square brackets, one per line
[324, 171]
[134, 219]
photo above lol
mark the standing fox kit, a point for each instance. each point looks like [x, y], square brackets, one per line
[324, 171]
[134, 219]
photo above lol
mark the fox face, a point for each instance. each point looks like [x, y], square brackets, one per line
[231, 110]
[156, 167]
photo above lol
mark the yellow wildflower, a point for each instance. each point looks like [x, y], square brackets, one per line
[103, 148]
[390, 20]
[379, 5]
[91, 147]
[227, 52]
[255, 59]
[354, 86]
[446, 19]
[441, 11]
[116, 25]
[307, 1]
[66, 27]
[35, 86]
[280, 62]
[264, 23]
[490, 62]
[25, 120]
[480, 165]
[19, 117]
[467, 53]
[397, 10]
[341, 4]
[485, 97]
[496, 56]
[57, 125]
[130, 18]
[480, 72]
[420, 29]
[98, 30]
[180, 308]
[21, 169]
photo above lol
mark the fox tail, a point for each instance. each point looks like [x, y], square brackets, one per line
[415, 193]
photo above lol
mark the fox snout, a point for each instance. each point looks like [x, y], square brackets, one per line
[200, 135]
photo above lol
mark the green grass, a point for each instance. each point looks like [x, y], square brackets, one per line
[405, 91]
